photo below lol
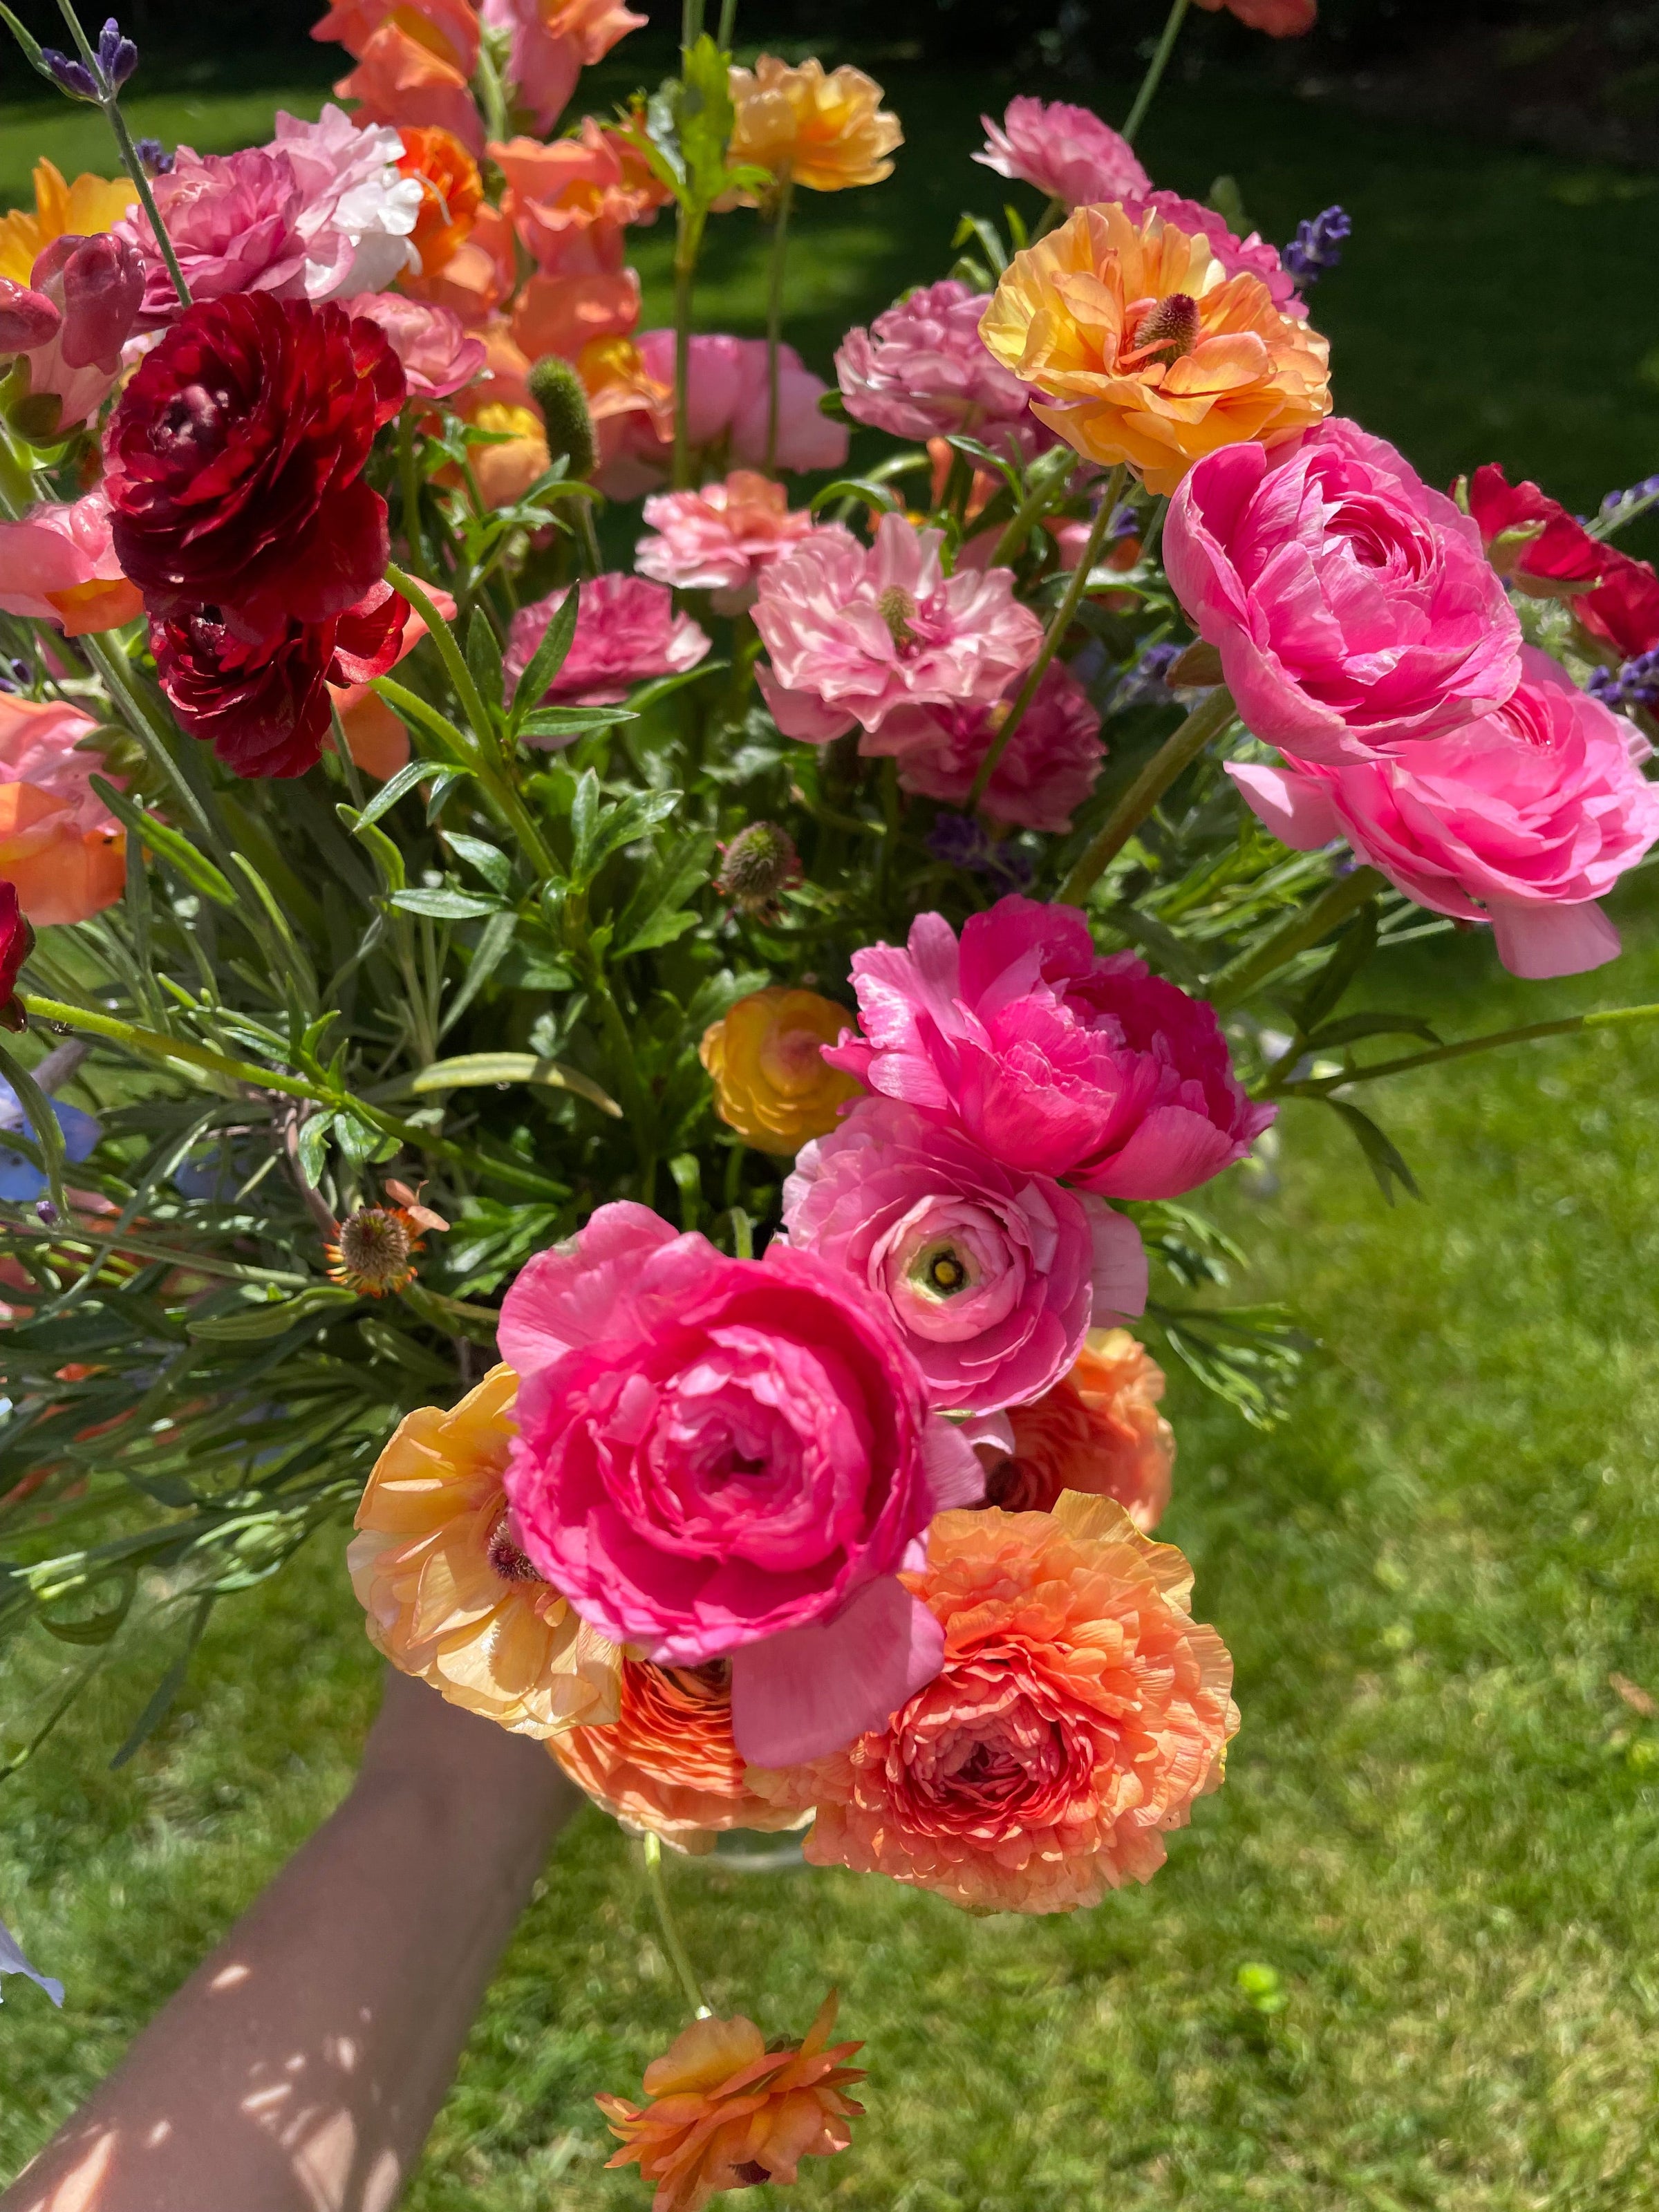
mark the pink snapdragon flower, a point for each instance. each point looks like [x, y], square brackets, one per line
[59, 565]
[994, 1277]
[552, 42]
[871, 639]
[1523, 819]
[728, 400]
[1052, 1059]
[730, 1456]
[721, 538]
[1354, 610]
[1239, 257]
[439, 354]
[61, 849]
[69, 322]
[1065, 151]
[921, 370]
[1047, 771]
[627, 632]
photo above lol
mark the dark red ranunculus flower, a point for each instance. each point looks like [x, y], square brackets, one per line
[263, 706]
[1562, 553]
[1623, 610]
[235, 464]
[17, 943]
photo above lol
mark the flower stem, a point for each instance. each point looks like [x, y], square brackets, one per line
[1155, 69]
[109, 100]
[492, 96]
[1181, 748]
[687, 245]
[774, 312]
[1057, 628]
[1569, 1025]
[728, 24]
[678, 1958]
[1334, 904]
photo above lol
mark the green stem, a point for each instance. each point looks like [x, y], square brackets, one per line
[1054, 213]
[1155, 69]
[1057, 628]
[409, 478]
[1320, 1087]
[587, 539]
[152, 1041]
[135, 169]
[728, 24]
[492, 96]
[1181, 748]
[678, 1957]
[1334, 904]
[774, 312]
[687, 243]
[16, 482]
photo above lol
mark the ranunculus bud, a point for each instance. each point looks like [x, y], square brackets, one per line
[759, 862]
[17, 943]
[560, 393]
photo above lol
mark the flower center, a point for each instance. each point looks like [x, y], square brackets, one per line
[1169, 331]
[940, 1271]
[505, 1558]
[191, 424]
[898, 611]
[375, 1244]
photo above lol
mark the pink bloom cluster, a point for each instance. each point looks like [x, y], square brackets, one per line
[728, 405]
[1063, 150]
[921, 370]
[721, 538]
[57, 563]
[1046, 770]
[439, 354]
[627, 632]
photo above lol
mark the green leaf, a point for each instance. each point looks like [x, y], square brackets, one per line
[1352, 950]
[492, 864]
[474, 1068]
[498, 933]
[454, 1317]
[443, 904]
[1251, 1356]
[548, 658]
[312, 1148]
[977, 226]
[876, 496]
[415, 772]
[1383, 1155]
[1353, 1027]
[704, 115]
[687, 1171]
[32, 52]
[483, 657]
[254, 1324]
[197, 871]
[411, 707]
[161, 1698]
[656, 914]
[571, 721]
[623, 824]
[584, 822]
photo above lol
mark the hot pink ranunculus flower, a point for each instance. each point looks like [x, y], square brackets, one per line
[721, 538]
[921, 370]
[873, 638]
[1063, 150]
[1248, 256]
[994, 1277]
[552, 42]
[1052, 1058]
[438, 352]
[627, 632]
[59, 565]
[723, 1456]
[1353, 608]
[726, 416]
[1047, 769]
[1523, 819]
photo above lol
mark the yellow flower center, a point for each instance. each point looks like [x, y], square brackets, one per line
[940, 1271]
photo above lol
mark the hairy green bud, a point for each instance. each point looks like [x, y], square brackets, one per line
[558, 392]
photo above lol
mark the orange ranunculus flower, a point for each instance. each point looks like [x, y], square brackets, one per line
[730, 2112]
[448, 28]
[451, 191]
[400, 79]
[557, 194]
[1098, 1430]
[1147, 350]
[89, 205]
[767, 1065]
[449, 1596]
[668, 1764]
[1079, 1712]
[59, 845]
[1279, 19]
[825, 132]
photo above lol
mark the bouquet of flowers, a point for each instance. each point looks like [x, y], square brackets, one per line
[649, 1060]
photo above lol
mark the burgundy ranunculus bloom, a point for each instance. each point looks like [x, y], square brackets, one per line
[263, 706]
[17, 943]
[234, 465]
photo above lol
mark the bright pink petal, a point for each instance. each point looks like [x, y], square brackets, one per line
[566, 1296]
[1540, 941]
[810, 1690]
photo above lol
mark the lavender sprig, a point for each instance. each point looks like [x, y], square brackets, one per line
[1316, 247]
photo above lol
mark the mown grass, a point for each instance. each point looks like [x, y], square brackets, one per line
[1438, 1831]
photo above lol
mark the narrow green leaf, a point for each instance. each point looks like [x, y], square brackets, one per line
[498, 934]
[197, 871]
[254, 1324]
[162, 1698]
[548, 722]
[491, 863]
[483, 657]
[411, 707]
[548, 658]
[1383, 1155]
[413, 772]
[444, 904]
[476, 1068]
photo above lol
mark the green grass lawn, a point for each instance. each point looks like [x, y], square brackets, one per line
[1440, 1831]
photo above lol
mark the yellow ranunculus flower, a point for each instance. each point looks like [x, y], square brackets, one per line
[90, 204]
[824, 132]
[771, 1085]
[449, 1596]
[1148, 350]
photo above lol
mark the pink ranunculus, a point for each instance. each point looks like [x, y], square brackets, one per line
[1245, 257]
[358, 210]
[1523, 819]
[59, 565]
[627, 632]
[1353, 608]
[994, 1277]
[1046, 772]
[921, 370]
[872, 639]
[730, 1456]
[72, 319]
[439, 354]
[1051, 1058]
[552, 42]
[721, 538]
[727, 413]
[1063, 150]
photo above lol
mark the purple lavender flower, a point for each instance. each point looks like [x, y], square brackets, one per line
[1317, 246]
[157, 161]
[1637, 495]
[961, 841]
[14, 675]
[1143, 684]
[69, 74]
[117, 57]
[1635, 685]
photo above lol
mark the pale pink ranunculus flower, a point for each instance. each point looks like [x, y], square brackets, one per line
[71, 319]
[721, 538]
[1063, 150]
[1239, 257]
[728, 400]
[59, 845]
[552, 42]
[875, 638]
[439, 354]
[993, 1276]
[720, 1457]
[1048, 769]
[922, 370]
[1353, 608]
[1053, 1058]
[1523, 819]
[358, 210]
[58, 564]
[627, 632]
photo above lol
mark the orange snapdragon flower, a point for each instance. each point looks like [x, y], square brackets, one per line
[448, 28]
[766, 1062]
[1147, 351]
[479, 274]
[447, 1594]
[89, 205]
[59, 845]
[576, 192]
[824, 131]
[451, 191]
[1097, 1431]
[729, 2113]
[403, 79]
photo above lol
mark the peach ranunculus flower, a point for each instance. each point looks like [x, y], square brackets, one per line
[60, 846]
[1147, 351]
[58, 564]
[824, 132]
[89, 205]
[667, 1765]
[719, 538]
[451, 192]
[447, 1594]
[556, 196]
[765, 1060]
[401, 78]
[1098, 1430]
[729, 2110]
[1079, 1712]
